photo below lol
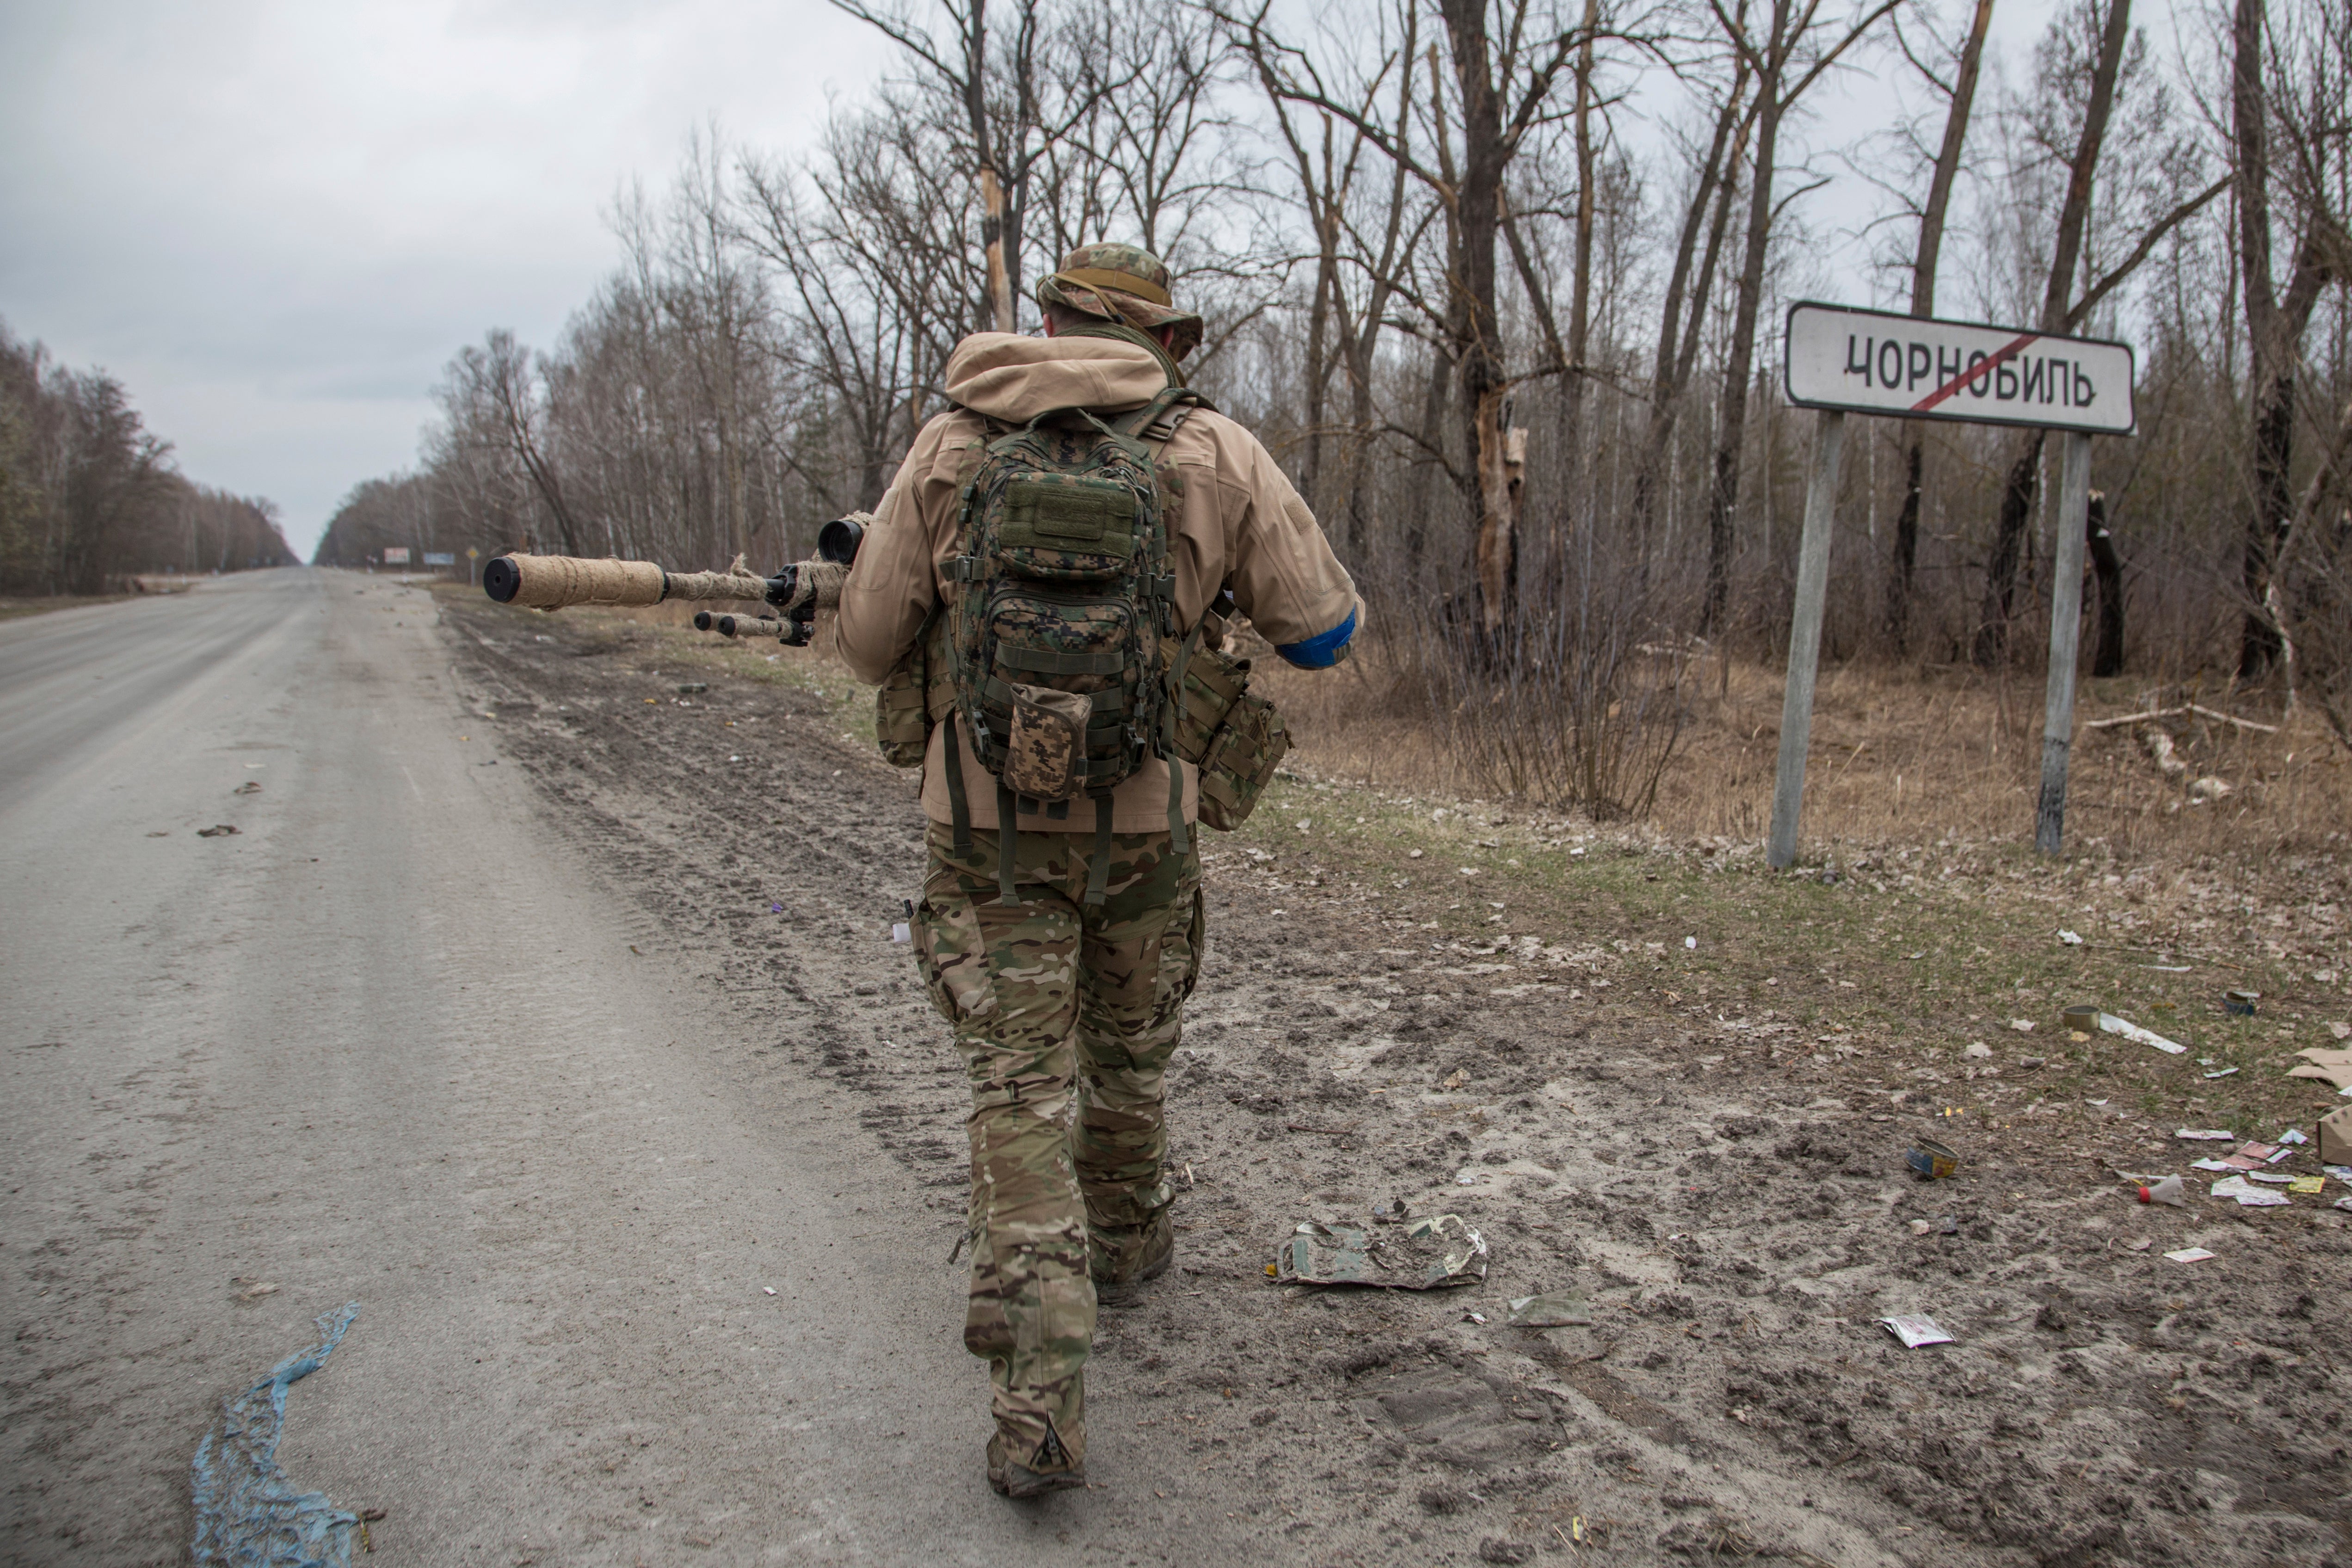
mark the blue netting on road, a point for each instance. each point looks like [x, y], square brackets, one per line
[246, 1516]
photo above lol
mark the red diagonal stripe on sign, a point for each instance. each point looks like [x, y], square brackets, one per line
[2008, 352]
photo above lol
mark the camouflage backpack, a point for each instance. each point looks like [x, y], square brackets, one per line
[1062, 631]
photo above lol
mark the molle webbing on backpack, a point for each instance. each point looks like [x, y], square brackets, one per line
[1063, 618]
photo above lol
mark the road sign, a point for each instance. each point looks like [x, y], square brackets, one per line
[1874, 361]
[395, 555]
[439, 558]
[473, 554]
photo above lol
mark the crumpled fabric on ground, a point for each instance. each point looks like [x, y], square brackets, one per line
[246, 1515]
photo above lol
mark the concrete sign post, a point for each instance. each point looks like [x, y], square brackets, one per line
[1841, 360]
[1805, 636]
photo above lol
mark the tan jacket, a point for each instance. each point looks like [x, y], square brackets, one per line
[1242, 525]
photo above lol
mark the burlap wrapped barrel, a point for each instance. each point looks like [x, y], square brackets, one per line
[552, 581]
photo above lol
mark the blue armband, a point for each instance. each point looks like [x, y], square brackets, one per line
[1321, 651]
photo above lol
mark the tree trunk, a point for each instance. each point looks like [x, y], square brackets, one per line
[2025, 475]
[1717, 177]
[2274, 333]
[1573, 447]
[1731, 425]
[1923, 304]
[2019, 491]
[1477, 218]
[2107, 569]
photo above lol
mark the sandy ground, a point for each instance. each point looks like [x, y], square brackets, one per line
[1735, 1233]
[583, 1030]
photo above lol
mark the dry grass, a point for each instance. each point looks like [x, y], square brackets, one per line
[1906, 756]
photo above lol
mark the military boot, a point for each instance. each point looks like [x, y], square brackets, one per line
[1129, 1255]
[1016, 1480]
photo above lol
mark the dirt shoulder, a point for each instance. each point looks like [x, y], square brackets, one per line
[1650, 1073]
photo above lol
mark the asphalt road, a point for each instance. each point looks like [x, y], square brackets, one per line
[389, 1043]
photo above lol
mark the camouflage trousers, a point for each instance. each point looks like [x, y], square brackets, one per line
[1066, 1017]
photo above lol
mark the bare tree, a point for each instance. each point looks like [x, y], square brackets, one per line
[1796, 48]
[2276, 319]
[1959, 95]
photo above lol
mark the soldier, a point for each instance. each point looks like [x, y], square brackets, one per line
[1064, 974]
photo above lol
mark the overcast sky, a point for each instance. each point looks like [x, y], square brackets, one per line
[275, 223]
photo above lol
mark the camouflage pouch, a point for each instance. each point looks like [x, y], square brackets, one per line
[902, 720]
[1239, 761]
[1213, 681]
[1046, 747]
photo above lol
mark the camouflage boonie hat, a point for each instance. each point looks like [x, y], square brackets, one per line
[1121, 283]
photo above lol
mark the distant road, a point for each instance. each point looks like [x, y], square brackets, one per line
[387, 1042]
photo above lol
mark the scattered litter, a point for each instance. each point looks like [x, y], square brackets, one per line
[2087, 1018]
[2307, 1186]
[2208, 1134]
[1553, 1310]
[2191, 1255]
[2224, 1073]
[2029, 1062]
[2329, 1066]
[1466, 1178]
[1473, 1317]
[902, 932]
[2341, 1173]
[1932, 1159]
[246, 1512]
[2069, 939]
[2344, 1203]
[2293, 1135]
[250, 787]
[1459, 1076]
[1392, 1212]
[2340, 1030]
[1920, 1228]
[770, 1289]
[1947, 1225]
[2269, 1178]
[2241, 1004]
[2247, 1194]
[2209, 1164]
[2136, 1244]
[2022, 1025]
[217, 831]
[2252, 1157]
[693, 688]
[1916, 1332]
[1440, 1250]
[1978, 1050]
[2169, 1190]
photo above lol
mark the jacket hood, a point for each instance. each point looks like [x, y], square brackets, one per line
[1014, 379]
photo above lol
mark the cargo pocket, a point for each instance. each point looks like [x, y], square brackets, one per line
[954, 967]
[1196, 937]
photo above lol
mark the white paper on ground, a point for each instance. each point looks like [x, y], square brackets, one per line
[2209, 1164]
[2132, 1031]
[2191, 1255]
[1915, 1331]
[2248, 1195]
[2208, 1134]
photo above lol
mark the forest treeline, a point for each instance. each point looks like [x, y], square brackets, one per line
[1501, 282]
[89, 498]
